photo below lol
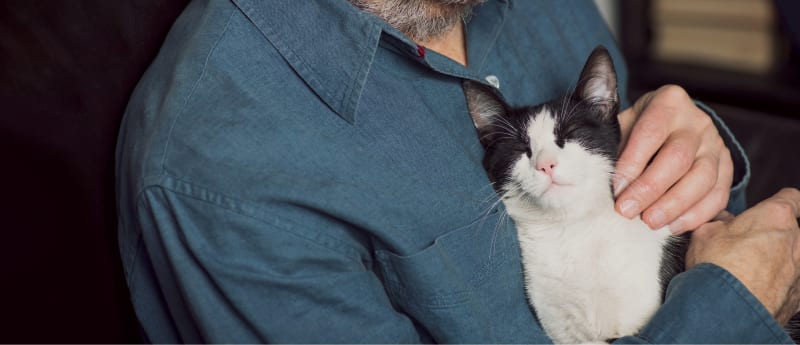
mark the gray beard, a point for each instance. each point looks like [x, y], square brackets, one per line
[420, 20]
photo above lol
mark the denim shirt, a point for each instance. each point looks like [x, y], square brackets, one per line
[299, 171]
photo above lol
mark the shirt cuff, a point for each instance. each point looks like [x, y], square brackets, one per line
[707, 304]
[741, 165]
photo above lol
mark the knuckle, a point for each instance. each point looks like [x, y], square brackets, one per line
[673, 91]
[682, 156]
[643, 188]
[790, 192]
[780, 209]
[702, 117]
[653, 127]
[708, 171]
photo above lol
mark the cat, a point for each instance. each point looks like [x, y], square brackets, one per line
[591, 274]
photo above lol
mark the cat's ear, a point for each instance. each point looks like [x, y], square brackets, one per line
[597, 84]
[484, 104]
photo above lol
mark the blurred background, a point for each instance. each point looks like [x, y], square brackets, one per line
[741, 57]
[67, 69]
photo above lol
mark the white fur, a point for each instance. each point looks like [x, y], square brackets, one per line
[591, 274]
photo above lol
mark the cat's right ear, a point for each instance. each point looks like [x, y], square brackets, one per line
[597, 84]
[484, 104]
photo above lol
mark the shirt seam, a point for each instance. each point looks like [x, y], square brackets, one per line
[495, 35]
[234, 205]
[191, 94]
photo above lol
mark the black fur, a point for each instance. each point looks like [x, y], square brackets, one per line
[673, 261]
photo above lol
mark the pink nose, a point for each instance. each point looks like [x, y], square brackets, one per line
[546, 166]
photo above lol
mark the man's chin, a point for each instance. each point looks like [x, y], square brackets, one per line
[420, 20]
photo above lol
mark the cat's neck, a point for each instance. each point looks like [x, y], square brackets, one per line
[525, 212]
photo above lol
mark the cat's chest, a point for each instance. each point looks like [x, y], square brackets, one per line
[607, 244]
[578, 273]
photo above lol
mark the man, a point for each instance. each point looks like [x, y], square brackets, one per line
[307, 171]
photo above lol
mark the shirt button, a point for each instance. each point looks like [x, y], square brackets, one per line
[493, 80]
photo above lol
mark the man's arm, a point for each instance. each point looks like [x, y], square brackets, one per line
[230, 274]
[707, 304]
[742, 279]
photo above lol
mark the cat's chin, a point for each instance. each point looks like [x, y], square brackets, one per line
[556, 196]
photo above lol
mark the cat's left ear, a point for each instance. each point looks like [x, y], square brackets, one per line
[484, 103]
[598, 83]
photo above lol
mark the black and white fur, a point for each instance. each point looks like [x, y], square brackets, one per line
[591, 274]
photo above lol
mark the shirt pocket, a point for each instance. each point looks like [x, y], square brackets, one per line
[450, 287]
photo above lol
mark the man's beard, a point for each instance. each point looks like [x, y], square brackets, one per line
[420, 20]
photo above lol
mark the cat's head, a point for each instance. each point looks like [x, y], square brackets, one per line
[555, 155]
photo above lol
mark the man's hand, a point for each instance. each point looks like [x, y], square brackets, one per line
[674, 168]
[760, 247]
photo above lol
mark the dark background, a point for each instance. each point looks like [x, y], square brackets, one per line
[760, 109]
[66, 71]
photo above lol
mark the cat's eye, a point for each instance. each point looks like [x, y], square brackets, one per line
[524, 148]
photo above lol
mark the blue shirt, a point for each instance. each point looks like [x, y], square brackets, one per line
[299, 171]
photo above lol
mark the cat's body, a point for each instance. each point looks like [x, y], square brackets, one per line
[591, 274]
[593, 278]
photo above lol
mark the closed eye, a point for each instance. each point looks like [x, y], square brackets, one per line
[526, 146]
[526, 149]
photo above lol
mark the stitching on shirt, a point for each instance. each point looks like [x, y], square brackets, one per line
[132, 260]
[495, 35]
[301, 66]
[240, 207]
[361, 76]
[195, 86]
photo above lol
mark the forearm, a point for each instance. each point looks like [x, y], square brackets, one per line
[709, 305]
[226, 275]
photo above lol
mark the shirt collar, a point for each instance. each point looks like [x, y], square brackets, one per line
[333, 52]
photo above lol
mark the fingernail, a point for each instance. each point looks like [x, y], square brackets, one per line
[676, 227]
[619, 185]
[629, 208]
[657, 219]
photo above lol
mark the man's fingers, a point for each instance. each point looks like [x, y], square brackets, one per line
[672, 162]
[690, 190]
[646, 137]
[697, 182]
[703, 211]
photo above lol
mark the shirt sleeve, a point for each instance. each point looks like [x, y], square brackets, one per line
[741, 165]
[229, 274]
[709, 305]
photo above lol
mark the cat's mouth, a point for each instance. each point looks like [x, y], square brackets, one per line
[560, 184]
[555, 186]
[554, 183]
